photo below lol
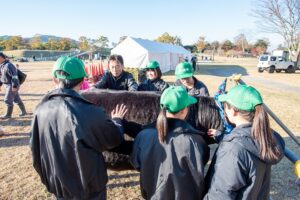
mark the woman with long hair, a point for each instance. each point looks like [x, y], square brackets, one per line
[171, 156]
[154, 81]
[241, 166]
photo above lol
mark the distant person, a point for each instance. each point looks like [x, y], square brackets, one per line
[185, 78]
[194, 62]
[9, 77]
[172, 156]
[154, 81]
[116, 78]
[186, 59]
[33, 58]
[241, 166]
[69, 134]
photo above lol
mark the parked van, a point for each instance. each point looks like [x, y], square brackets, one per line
[275, 63]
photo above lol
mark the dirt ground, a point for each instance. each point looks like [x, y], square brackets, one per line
[18, 180]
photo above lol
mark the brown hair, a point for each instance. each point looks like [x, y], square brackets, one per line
[117, 58]
[162, 125]
[261, 131]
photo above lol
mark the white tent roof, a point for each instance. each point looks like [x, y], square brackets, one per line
[138, 52]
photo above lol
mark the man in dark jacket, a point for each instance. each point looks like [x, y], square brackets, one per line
[9, 77]
[184, 75]
[116, 78]
[69, 134]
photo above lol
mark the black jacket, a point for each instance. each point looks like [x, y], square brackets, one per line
[174, 170]
[8, 74]
[237, 170]
[124, 82]
[67, 137]
[153, 85]
[199, 88]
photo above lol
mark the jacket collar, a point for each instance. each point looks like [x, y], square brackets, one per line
[239, 131]
[179, 126]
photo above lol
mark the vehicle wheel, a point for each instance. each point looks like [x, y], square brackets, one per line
[271, 69]
[290, 69]
[260, 69]
[278, 70]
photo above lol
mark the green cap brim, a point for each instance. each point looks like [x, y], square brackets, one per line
[184, 75]
[191, 100]
[222, 98]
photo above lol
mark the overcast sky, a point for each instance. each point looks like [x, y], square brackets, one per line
[188, 19]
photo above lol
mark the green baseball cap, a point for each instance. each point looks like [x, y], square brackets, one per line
[184, 70]
[243, 97]
[176, 98]
[74, 67]
[152, 65]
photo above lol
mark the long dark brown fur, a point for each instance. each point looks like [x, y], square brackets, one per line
[143, 108]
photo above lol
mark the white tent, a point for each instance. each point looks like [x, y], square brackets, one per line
[138, 52]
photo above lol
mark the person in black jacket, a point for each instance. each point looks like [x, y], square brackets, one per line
[172, 156]
[184, 75]
[9, 77]
[154, 81]
[116, 78]
[241, 166]
[69, 134]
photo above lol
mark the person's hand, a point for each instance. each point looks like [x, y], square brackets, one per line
[119, 111]
[14, 89]
[211, 132]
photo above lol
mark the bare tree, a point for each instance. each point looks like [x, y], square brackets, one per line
[281, 17]
[241, 42]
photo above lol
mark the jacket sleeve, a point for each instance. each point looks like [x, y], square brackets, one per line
[102, 84]
[34, 144]
[131, 84]
[142, 87]
[229, 177]
[107, 133]
[135, 157]
[12, 71]
[204, 91]
[164, 86]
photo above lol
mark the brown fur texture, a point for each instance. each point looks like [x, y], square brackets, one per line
[143, 109]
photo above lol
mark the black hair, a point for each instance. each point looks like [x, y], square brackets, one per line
[68, 84]
[3, 55]
[158, 72]
[117, 58]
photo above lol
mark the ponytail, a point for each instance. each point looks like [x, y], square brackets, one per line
[162, 125]
[262, 134]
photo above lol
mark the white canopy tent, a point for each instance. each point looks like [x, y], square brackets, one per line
[138, 52]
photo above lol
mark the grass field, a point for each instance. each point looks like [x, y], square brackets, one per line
[18, 180]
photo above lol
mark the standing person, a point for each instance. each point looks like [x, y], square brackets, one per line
[194, 62]
[185, 78]
[117, 78]
[241, 167]
[9, 78]
[154, 81]
[69, 135]
[172, 156]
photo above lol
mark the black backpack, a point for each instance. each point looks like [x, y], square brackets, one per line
[21, 76]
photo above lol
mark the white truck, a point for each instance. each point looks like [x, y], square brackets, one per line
[273, 63]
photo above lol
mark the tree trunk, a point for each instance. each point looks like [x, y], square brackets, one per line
[298, 59]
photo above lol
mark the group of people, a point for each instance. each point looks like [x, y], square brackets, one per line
[170, 154]
[118, 79]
